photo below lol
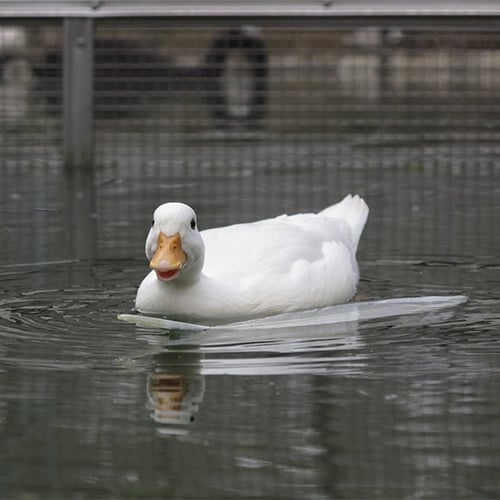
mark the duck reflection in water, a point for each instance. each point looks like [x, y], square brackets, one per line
[175, 390]
[331, 340]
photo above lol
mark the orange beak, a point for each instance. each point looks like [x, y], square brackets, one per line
[169, 257]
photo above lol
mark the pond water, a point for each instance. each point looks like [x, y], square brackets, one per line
[399, 407]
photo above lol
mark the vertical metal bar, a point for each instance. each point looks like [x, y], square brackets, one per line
[81, 224]
[384, 67]
[78, 92]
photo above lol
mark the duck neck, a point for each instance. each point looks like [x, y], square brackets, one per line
[190, 275]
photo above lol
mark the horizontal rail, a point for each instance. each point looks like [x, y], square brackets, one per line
[228, 8]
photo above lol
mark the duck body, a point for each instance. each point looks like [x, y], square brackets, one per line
[276, 265]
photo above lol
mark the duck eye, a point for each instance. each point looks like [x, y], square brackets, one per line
[193, 223]
[152, 223]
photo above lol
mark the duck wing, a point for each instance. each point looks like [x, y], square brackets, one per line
[272, 246]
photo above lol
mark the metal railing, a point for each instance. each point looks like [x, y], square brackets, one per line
[80, 17]
[246, 117]
[327, 8]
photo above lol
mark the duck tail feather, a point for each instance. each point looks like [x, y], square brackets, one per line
[354, 211]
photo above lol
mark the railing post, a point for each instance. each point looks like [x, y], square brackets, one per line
[384, 67]
[78, 92]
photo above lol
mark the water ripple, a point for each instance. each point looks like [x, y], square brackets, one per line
[63, 329]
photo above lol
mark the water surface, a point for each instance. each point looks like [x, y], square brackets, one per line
[96, 408]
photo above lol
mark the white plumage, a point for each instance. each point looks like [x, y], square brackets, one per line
[287, 263]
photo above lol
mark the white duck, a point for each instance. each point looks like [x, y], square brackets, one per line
[275, 265]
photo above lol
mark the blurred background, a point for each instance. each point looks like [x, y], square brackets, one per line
[250, 118]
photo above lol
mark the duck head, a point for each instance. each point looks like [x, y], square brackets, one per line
[174, 245]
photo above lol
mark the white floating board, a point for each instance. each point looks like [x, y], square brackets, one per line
[342, 313]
